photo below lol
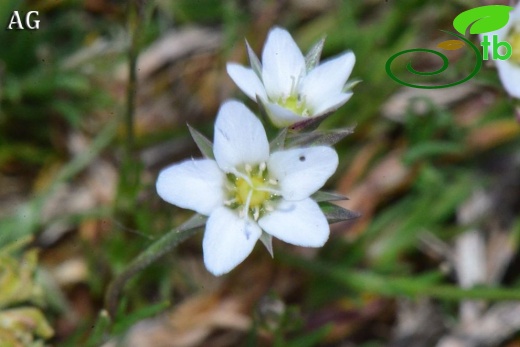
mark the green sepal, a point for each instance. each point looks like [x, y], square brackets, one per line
[278, 143]
[313, 56]
[309, 124]
[255, 63]
[203, 143]
[318, 138]
[321, 196]
[267, 240]
[349, 86]
[263, 110]
[335, 213]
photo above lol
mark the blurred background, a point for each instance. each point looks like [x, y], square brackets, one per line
[432, 261]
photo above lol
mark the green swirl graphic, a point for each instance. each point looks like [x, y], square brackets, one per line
[445, 64]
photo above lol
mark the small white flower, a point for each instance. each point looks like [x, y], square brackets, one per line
[509, 70]
[248, 193]
[285, 87]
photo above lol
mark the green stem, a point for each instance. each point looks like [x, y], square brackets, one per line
[156, 250]
[135, 21]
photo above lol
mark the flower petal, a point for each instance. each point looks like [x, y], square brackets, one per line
[239, 137]
[326, 80]
[247, 80]
[281, 117]
[283, 63]
[509, 74]
[300, 223]
[332, 103]
[302, 171]
[193, 184]
[228, 240]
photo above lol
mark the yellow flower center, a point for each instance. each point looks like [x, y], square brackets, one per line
[257, 197]
[514, 40]
[294, 104]
[252, 191]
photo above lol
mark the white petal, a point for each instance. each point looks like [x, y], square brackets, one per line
[239, 137]
[302, 171]
[281, 117]
[228, 240]
[283, 63]
[326, 80]
[332, 103]
[300, 223]
[509, 74]
[246, 80]
[193, 184]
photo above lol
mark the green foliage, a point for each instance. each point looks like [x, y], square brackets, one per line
[41, 99]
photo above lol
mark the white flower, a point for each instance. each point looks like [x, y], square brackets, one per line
[509, 70]
[285, 87]
[248, 193]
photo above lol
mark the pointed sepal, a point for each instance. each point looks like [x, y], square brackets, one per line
[351, 84]
[318, 138]
[321, 196]
[335, 213]
[312, 59]
[203, 143]
[255, 63]
[278, 143]
[309, 124]
[267, 240]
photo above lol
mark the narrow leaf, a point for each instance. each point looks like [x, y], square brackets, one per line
[432, 149]
[97, 336]
[318, 138]
[255, 63]
[205, 146]
[321, 196]
[335, 213]
[128, 320]
[313, 57]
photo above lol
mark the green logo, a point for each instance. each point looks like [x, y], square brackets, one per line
[479, 20]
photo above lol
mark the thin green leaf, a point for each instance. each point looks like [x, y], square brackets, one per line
[205, 146]
[126, 321]
[426, 285]
[312, 338]
[98, 335]
[156, 250]
[28, 216]
[321, 196]
[335, 213]
[312, 59]
[318, 138]
[432, 148]
[256, 65]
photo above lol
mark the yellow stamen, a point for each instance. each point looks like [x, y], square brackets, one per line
[243, 189]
